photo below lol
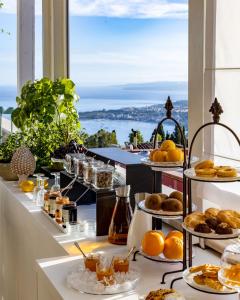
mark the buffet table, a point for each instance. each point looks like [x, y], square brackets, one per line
[36, 257]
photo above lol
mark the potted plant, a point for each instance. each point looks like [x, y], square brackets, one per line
[47, 117]
[7, 149]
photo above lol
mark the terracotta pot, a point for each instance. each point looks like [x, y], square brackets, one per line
[6, 173]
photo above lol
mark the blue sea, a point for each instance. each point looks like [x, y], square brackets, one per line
[115, 97]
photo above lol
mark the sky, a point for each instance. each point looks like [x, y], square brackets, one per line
[111, 41]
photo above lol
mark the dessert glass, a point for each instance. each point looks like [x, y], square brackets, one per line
[90, 261]
[121, 264]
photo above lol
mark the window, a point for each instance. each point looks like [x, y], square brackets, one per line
[38, 40]
[8, 54]
[128, 54]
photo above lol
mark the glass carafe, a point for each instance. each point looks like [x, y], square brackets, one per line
[121, 218]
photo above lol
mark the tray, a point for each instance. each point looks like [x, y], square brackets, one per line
[212, 236]
[188, 278]
[85, 281]
[160, 213]
[190, 173]
[148, 162]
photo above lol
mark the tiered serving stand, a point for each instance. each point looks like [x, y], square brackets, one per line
[159, 168]
[190, 176]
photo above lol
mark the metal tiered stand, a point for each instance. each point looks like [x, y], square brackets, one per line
[216, 110]
[158, 168]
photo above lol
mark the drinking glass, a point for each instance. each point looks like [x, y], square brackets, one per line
[104, 270]
[229, 274]
[56, 186]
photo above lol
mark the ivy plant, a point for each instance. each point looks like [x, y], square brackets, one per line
[47, 117]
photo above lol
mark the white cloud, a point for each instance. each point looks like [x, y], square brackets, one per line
[140, 9]
[129, 8]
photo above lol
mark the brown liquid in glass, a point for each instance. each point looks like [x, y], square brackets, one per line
[121, 219]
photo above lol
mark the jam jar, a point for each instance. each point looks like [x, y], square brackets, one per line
[79, 164]
[103, 177]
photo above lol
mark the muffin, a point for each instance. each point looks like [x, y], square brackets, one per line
[153, 202]
[171, 204]
[223, 228]
[163, 196]
[212, 222]
[177, 195]
[203, 228]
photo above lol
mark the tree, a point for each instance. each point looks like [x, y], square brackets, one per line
[101, 139]
[139, 136]
[177, 135]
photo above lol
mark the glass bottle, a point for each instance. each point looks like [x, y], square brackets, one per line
[37, 187]
[41, 193]
[56, 186]
[121, 218]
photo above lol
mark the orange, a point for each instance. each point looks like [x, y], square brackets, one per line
[167, 145]
[175, 155]
[173, 248]
[159, 156]
[175, 233]
[151, 154]
[153, 243]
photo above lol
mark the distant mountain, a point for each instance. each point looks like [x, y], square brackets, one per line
[152, 91]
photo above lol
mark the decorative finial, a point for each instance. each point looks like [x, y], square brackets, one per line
[169, 107]
[216, 110]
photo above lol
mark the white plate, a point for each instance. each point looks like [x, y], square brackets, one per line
[188, 278]
[160, 258]
[148, 162]
[160, 213]
[190, 173]
[85, 281]
[213, 235]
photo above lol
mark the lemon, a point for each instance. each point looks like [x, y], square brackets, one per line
[27, 186]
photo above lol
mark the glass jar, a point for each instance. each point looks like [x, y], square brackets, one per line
[121, 218]
[103, 177]
[52, 205]
[69, 214]
[88, 170]
[68, 165]
[79, 164]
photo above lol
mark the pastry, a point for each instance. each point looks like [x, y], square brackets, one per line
[163, 196]
[171, 204]
[223, 228]
[231, 217]
[211, 212]
[194, 218]
[212, 222]
[199, 279]
[177, 195]
[203, 228]
[213, 283]
[217, 168]
[164, 294]
[233, 273]
[153, 202]
[228, 172]
[210, 172]
[208, 275]
[205, 164]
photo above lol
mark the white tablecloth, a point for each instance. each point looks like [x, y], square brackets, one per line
[52, 278]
